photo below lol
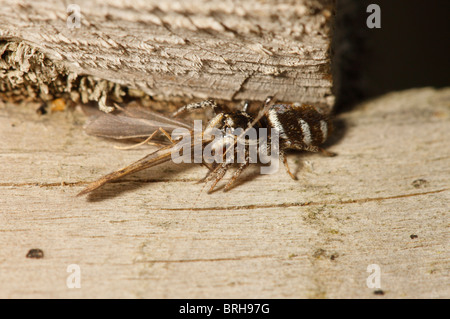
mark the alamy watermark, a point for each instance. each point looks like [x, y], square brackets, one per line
[74, 279]
[374, 19]
[73, 20]
[374, 279]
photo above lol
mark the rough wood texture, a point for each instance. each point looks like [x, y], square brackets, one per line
[204, 49]
[157, 234]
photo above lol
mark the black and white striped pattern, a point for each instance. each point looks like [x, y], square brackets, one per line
[299, 127]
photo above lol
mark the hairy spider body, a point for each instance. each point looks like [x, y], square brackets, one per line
[299, 127]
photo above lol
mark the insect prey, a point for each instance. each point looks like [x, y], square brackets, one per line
[290, 126]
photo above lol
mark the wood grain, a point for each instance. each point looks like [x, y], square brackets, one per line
[230, 50]
[157, 234]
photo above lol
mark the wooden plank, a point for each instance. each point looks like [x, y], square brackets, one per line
[193, 49]
[157, 234]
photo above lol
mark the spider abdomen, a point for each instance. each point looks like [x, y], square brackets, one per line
[300, 127]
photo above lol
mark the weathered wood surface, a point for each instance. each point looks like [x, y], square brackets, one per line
[156, 234]
[197, 48]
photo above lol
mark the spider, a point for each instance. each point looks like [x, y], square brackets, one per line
[299, 128]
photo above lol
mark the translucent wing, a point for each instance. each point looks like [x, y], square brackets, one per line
[135, 122]
[131, 122]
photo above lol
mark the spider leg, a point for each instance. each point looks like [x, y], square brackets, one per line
[311, 148]
[199, 105]
[211, 168]
[217, 175]
[315, 149]
[286, 165]
[236, 174]
[327, 153]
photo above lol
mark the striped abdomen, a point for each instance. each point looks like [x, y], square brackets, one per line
[299, 127]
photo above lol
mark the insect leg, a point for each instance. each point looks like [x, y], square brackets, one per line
[167, 135]
[199, 105]
[138, 144]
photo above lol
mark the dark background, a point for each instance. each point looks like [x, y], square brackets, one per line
[412, 48]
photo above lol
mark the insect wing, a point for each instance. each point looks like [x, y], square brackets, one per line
[132, 122]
